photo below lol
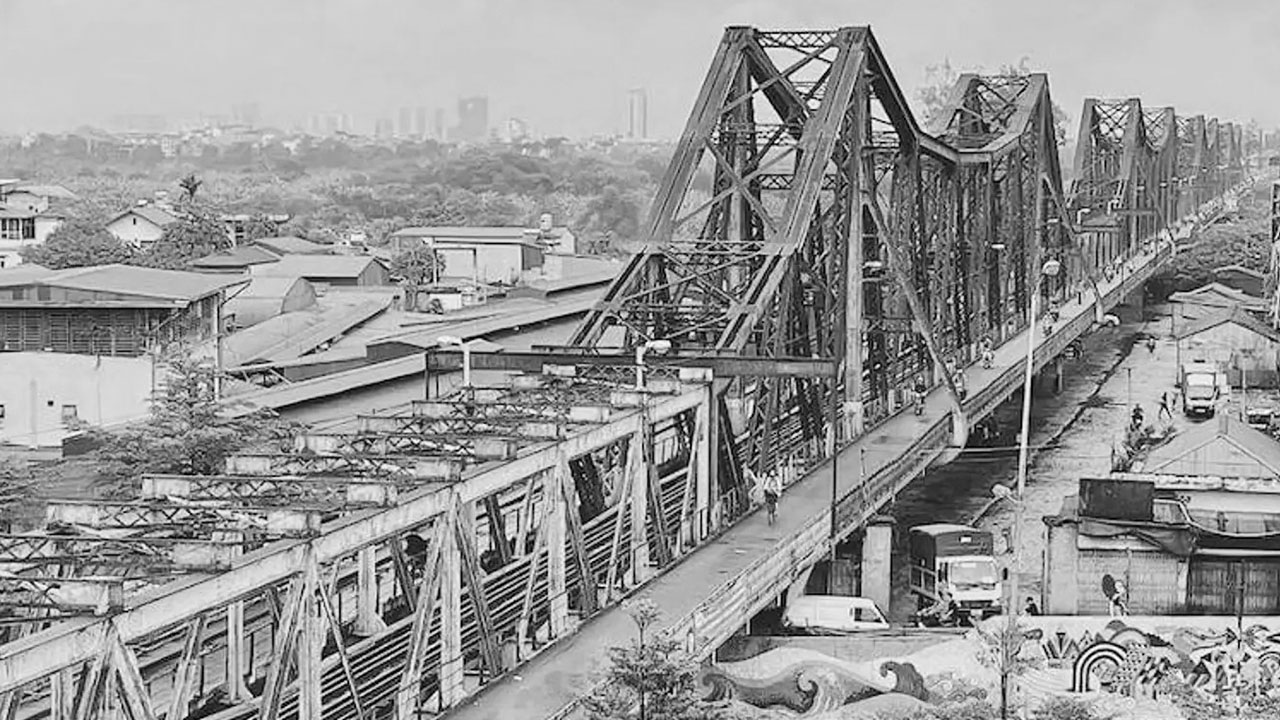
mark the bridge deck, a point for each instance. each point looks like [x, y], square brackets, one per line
[553, 679]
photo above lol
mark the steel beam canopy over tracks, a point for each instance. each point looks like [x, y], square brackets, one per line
[813, 253]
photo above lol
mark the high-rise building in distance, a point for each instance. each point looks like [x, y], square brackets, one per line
[638, 114]
[473, 120]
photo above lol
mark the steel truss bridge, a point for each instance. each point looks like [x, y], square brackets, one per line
[811, 251]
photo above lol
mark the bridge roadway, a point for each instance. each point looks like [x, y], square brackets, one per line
[716, 588]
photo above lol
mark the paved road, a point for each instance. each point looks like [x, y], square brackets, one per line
[567, 669]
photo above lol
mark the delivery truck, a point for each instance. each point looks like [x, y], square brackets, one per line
[1199, 383]
[960, 561]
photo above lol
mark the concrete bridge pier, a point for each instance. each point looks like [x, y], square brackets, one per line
[877, 551]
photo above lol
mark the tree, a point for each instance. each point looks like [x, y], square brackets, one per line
[939, 79]
[188, 432]
[77, 243]
[190, 185]
[196, 234]
[17, 488]
[1001, 650]
[260, 226]
[418, 265]
[651, 673]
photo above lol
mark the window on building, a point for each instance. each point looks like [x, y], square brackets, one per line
[1, 413]
[69, 414]
[10, 228]
[29, 229]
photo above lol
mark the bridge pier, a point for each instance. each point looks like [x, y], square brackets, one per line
[877, 553]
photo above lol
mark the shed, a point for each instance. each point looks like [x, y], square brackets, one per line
[267, 297]
[325, 270]
[236, 260]
[1235, 339]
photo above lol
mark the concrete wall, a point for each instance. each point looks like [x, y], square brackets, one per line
[1076, 568]
[35, 388]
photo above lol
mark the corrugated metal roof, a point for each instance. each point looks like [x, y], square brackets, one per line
[1237, 315]
[291, 245]
[131, 281]
[1196, 447]
[270, 287]
[48, 191]
[344, 266]
[292, 335]
[242, 256]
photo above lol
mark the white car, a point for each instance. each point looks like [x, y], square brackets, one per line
[832, 614]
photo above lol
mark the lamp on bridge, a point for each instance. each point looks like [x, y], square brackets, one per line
[661, 347]
[466, 355]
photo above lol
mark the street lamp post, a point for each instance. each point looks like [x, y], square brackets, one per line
[661, 347]
[466, 355]
[1049, 269]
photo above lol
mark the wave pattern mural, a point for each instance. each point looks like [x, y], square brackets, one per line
[1129, 658]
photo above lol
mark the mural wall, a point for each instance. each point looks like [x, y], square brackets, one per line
[1131, 659]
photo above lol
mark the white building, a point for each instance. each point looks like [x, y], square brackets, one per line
[487, 254]
[141, 225]
[26, 217]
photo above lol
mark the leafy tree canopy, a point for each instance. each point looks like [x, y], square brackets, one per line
[187, 433]
[651, 672]
[196, 234]
[78, 243]
[418, 265]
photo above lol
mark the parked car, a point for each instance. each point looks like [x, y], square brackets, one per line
[832, 614]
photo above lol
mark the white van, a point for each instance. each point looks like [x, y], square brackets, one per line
[822, 614]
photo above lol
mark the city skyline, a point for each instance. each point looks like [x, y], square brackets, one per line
[336, 58]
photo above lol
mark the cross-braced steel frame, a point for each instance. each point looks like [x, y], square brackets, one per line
[812, 253]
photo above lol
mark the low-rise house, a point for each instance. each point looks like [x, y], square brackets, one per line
[1235, 340]
[1205, 300]
[32, 197]
[27, 217]
[1185, 531]
[142, 225]
[328, 270]
[266, 297]
[22, 228]
[238, 225]
[487, 254]
[81, 345]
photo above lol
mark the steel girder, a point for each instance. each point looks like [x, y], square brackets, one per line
[827, 208]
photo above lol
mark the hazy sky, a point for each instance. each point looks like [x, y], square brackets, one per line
[565, 65]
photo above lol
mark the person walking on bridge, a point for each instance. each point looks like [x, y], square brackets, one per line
[772, 493]
[1164, 407]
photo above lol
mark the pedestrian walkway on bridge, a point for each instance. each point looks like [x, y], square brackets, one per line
[554, 679]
